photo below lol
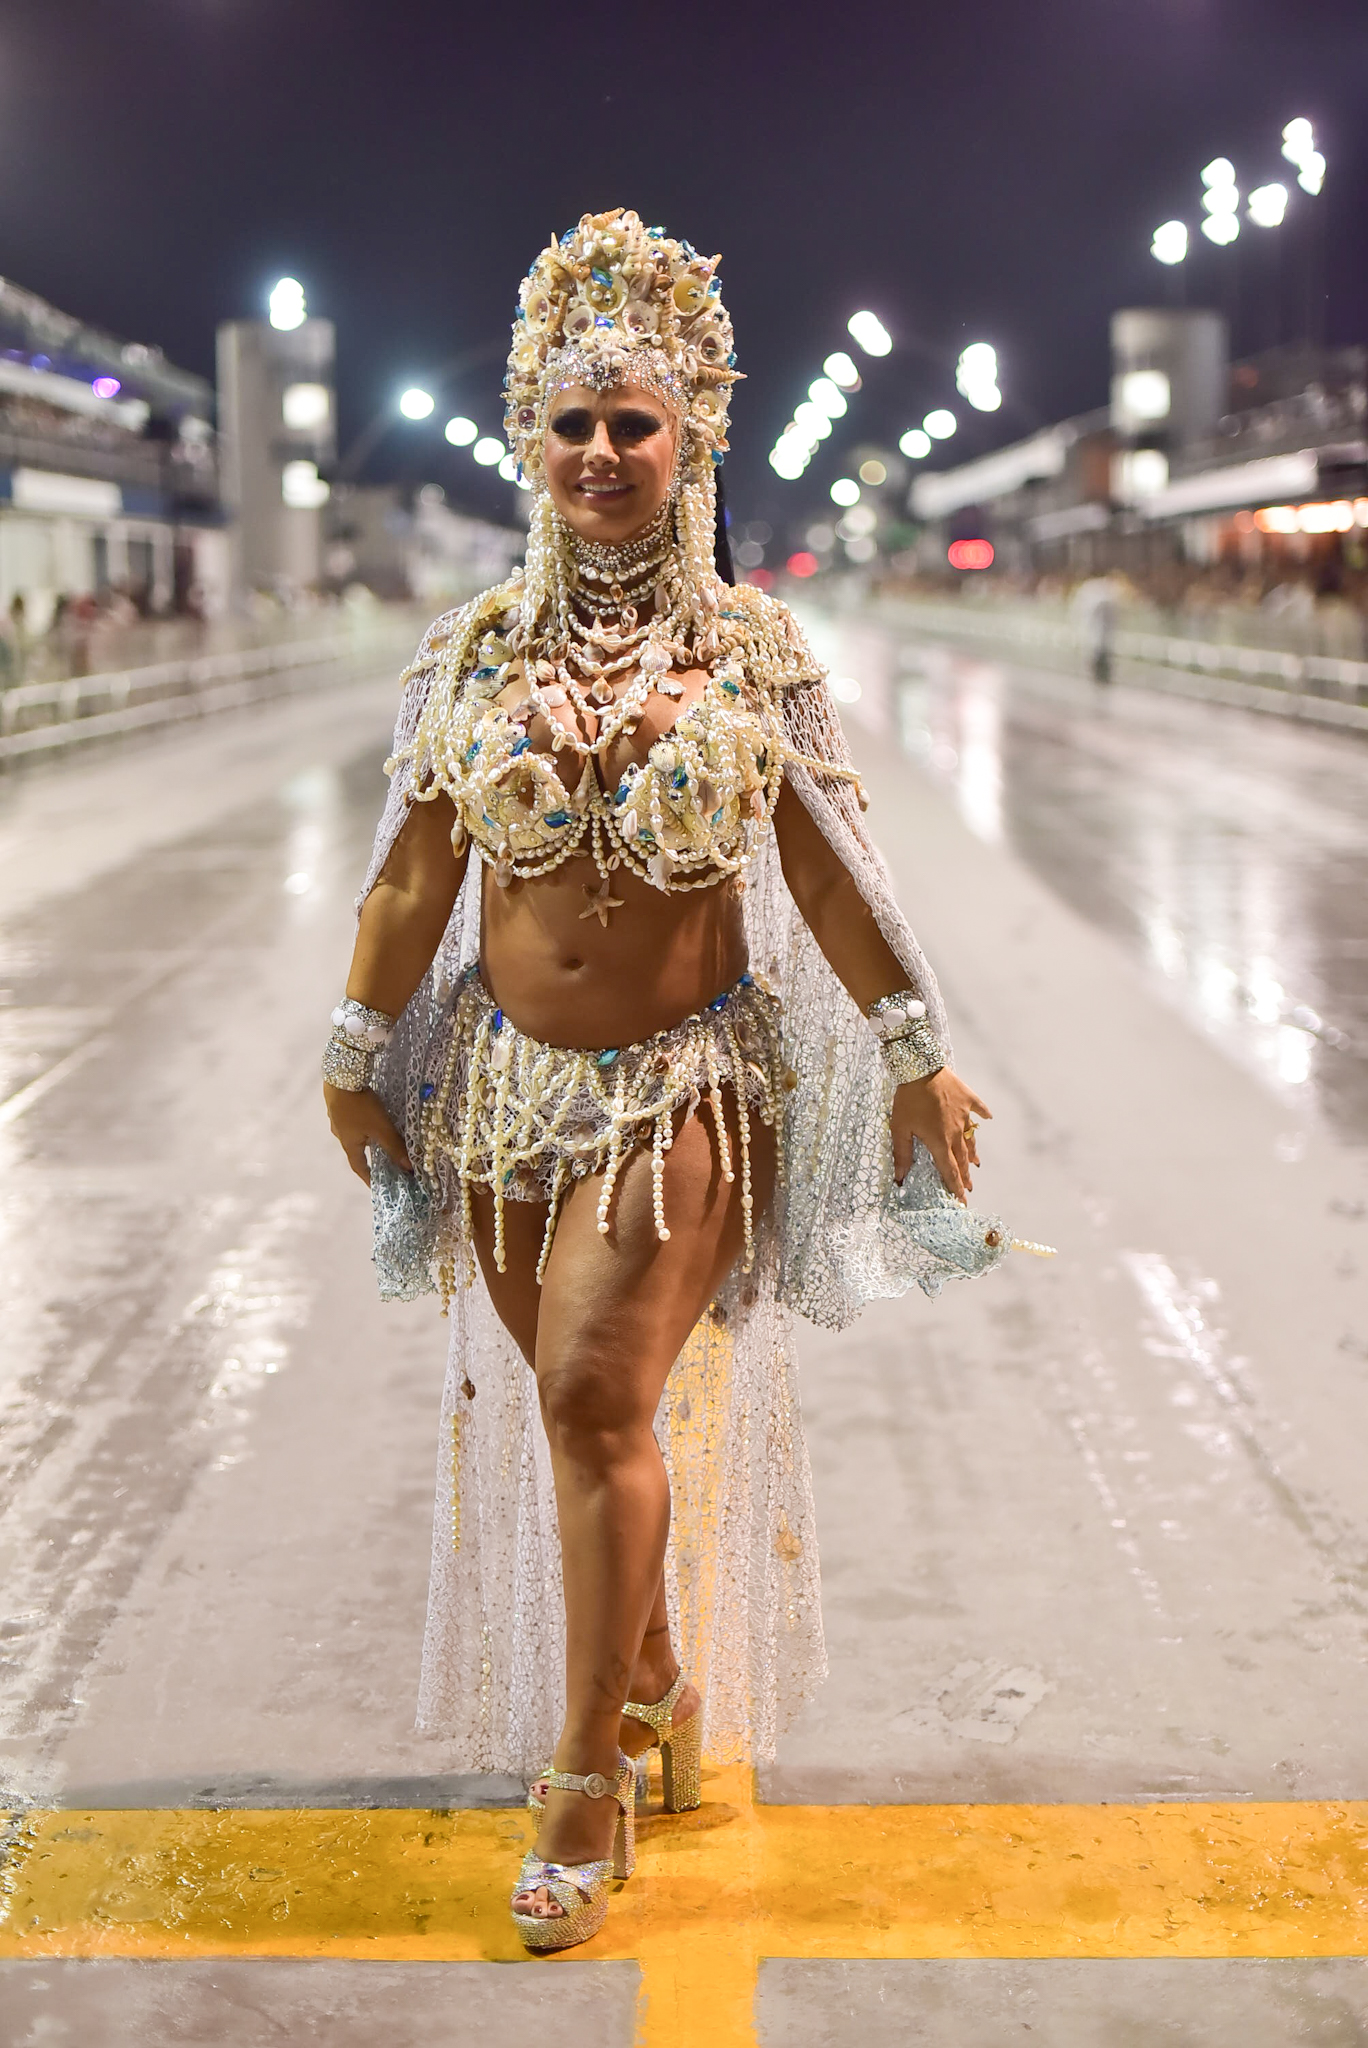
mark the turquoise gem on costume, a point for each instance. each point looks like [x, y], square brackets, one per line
[718, 1003]
[603, 321]
[557, 818]
[655, 233]
[717, 815]
[732, 689]
[606, 1058]
[680, 779]
[521, 746]
[482, 675]
[620, 793]
[498, 1020]
[601, 277]
[748, 980]
[472, 750]
[717, 458]
[731, 360]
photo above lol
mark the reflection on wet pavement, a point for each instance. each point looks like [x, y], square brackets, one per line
[1228, 851]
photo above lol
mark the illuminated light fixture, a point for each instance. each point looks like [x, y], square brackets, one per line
[1145, 395]
[1220, 201]
[1139, 473]
[869, 331]
[940, 425]
[976, 376]
[825, 393]
[415, 403]
[1299, 147]
[1220, 171]
[789, 466]
[1170, 243]
[845, 689]
[812, 418]
[1267, 205]
[873, 472]
[508, 468]
[859, 522]
[487, 451]
[970, 554]
[305, 407]
[1221, 228]
[461, 431]
[915, 444]
[845, 491]
[106, 387]
[302, 488]
[841, 370]
[286, 304]
[801, 564]
[1337, 515]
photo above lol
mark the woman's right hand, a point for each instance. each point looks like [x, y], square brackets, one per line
[359, 1118]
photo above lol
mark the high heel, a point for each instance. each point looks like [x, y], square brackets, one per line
[580, 1889]
[680, 1744]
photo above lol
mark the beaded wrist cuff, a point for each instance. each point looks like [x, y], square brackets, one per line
[891, 1015]
[914, 1054]
[358, 1034]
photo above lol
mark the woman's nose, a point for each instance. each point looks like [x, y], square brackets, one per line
[601, 448]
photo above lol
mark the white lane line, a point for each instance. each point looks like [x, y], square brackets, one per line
[14, 1106]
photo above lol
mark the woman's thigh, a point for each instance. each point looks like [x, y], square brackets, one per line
[617, 1309]
[514, 1292]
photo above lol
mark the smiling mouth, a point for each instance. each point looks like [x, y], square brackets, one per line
[588, 490]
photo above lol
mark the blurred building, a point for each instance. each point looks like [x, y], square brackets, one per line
[406, 544]
[1261, 464]
[278, 428]
[108, 469]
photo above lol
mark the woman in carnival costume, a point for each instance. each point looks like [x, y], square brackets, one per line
[632, 1085]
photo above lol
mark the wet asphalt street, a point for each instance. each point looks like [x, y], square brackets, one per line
[1093, 1531]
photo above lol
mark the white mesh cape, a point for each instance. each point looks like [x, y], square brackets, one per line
[743, 1567]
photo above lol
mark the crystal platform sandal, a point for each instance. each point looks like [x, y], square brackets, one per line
[680, 1744]
[579, 1889]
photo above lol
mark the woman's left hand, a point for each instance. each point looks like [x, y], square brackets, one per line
[940, 1111]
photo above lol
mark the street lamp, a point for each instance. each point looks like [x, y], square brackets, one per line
[415, 403]
[976, 377]
[1170, 243]
[286, 304]
[1267, 205]
[1299, 147]
[868, 329]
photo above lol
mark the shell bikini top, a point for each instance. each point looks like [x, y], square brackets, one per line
[692, 813]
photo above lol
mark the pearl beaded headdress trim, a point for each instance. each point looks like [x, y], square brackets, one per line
[615, 302]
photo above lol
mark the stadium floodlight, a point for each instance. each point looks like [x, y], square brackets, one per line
[415, 403]
[508, 468]
[1221, 228]
[811, 419]
[461, 431]
[286, 304]
[826, 393]
[487, 451]
[1299, 147]
[976, 376]
[845, 491]
[915, 444]
[841, 370]
[1170, 243]
[868, 329]
[1267, 205]
[1220, 171]
[940, 424]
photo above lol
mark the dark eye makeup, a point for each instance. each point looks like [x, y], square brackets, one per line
[576, 423]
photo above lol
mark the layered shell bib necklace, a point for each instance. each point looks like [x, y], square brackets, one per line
[620, 616]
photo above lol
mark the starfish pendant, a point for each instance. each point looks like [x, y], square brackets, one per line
[601, 901]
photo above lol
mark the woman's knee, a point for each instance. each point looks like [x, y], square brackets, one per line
[590, 1408]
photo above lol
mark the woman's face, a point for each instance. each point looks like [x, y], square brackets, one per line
[609, 459]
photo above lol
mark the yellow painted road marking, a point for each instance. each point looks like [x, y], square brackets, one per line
[714, 1892]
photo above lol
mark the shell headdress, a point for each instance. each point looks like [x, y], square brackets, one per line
[611, 302]
[616, 302]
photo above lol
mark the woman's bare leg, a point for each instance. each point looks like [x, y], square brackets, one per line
[614, 1313]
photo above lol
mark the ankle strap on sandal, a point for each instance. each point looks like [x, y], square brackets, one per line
[660, 1715]
[593, 1784]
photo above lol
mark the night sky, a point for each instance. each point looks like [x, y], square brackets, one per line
[984, 171]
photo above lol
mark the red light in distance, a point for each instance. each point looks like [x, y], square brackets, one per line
[761, 578]
[802, 564]
[970, 554]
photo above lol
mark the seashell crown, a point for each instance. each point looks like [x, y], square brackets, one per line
[614, 302]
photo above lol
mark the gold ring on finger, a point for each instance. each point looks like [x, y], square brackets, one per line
[970, 1128]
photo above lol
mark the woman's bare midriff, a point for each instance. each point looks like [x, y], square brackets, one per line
[572, 980]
